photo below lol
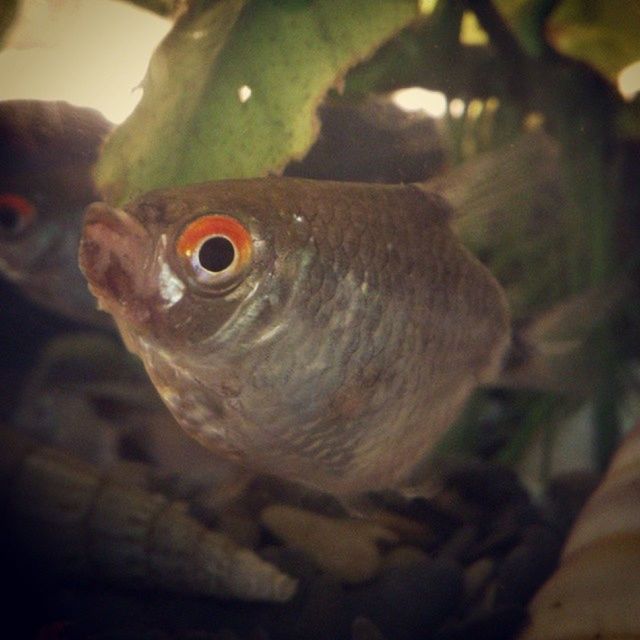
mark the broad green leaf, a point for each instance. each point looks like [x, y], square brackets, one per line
[526, 19]
[8, 12]
[233, 89]
[603, 33]
[628, 122]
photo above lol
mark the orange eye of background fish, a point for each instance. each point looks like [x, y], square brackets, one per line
[16, 213]
[217, 249]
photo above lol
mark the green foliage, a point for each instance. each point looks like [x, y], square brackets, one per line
[526, 18]
[629, 120]
[603, 33]
[8, 11]
[192, 124]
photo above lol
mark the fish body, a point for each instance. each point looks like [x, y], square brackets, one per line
[331, 340]
[47, 151]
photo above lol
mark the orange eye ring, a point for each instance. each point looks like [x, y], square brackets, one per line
[217, 250]
[16, 213]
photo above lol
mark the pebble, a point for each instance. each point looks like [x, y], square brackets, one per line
[446, 567]
[408, 529]
[136, 634]
[476, 577]
[363, 629]
[498, 624]
[439, 519]
[566, 495]
[240, 527]
[224, 634]
[503, 533]
[345, 548]
[263, 491]
[405, 555]
[317, 612]
[460, 543]
[527, 566]
[409, 601]
[293, 562]
[458, 509]
[482, 483]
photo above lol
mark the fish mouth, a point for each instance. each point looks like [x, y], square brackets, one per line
[114, 253]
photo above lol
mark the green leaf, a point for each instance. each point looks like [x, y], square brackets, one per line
[603, 33]
[471, 33]
[628, 122]
[8, 12]
[526, 19]
[429, 54]
[196, 120]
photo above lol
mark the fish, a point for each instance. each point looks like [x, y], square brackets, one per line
[47, 152]
[327, 333]
[49, 147]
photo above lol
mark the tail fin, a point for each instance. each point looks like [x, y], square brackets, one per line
[548, 353]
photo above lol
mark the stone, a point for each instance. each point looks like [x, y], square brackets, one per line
[498, 624]
[527, 566]
[489, 485]
[405, 555]
[410, 601]
[460, 543]
[317, 612]
[293, 562]
[364, 629]
[566, 494]
[345, 548]
[476, 577]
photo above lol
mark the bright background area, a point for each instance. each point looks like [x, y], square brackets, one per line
[90, 53]
[95, 53]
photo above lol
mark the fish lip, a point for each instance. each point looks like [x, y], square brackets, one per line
[117, 220]
[113, 256]
[103, 225]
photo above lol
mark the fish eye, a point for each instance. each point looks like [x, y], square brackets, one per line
[216, 249]
[216, 254]
[16, 214]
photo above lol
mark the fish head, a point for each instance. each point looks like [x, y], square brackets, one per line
[40, 224]
[176, 268]
[47, 151]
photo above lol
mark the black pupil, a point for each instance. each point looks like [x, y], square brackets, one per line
[9, 219]
[216, 254]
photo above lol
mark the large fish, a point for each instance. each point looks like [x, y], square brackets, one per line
[47, 151]
[324, 332]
